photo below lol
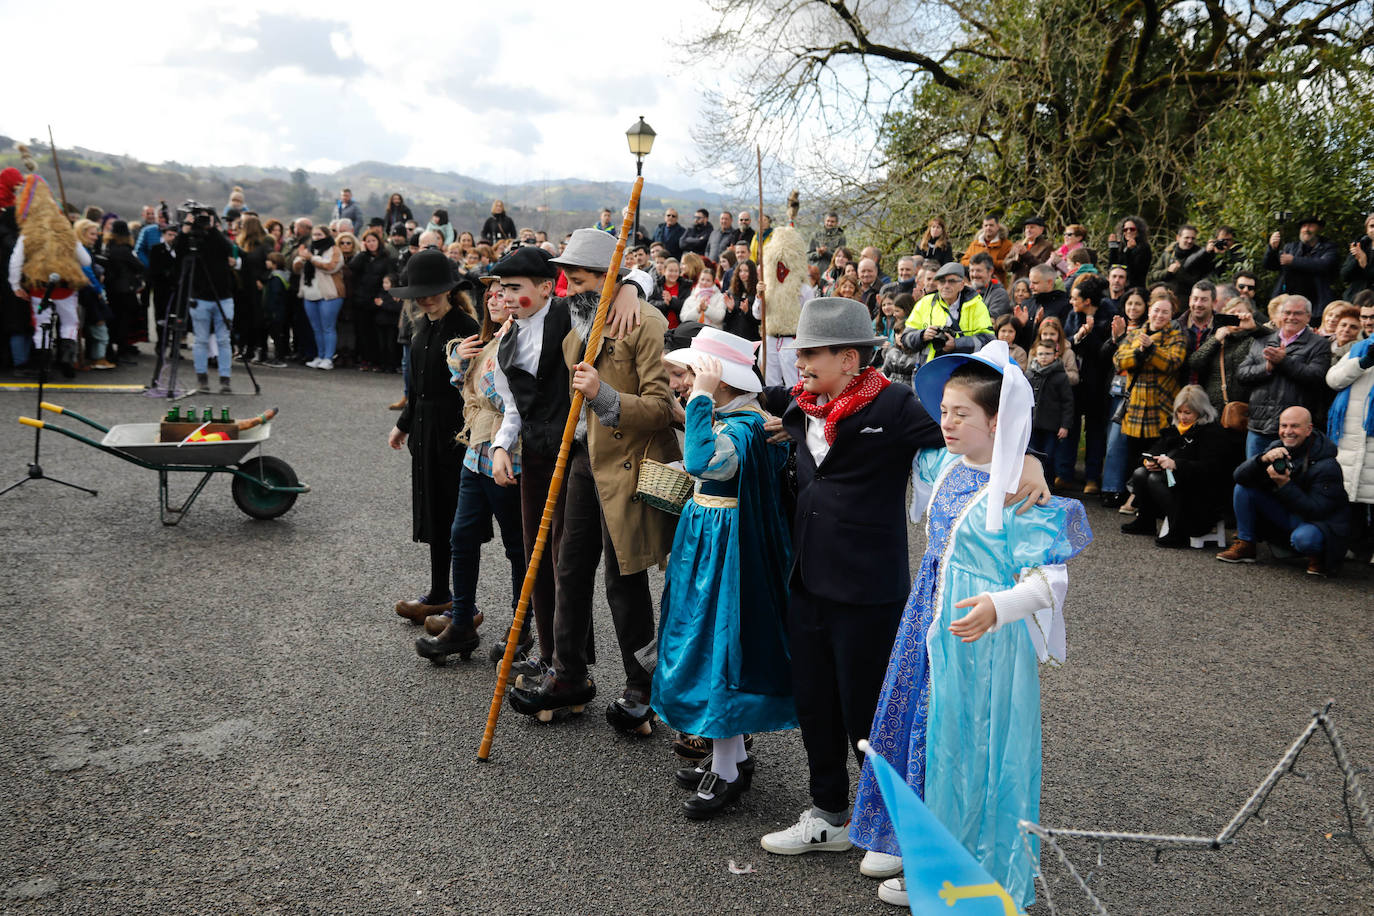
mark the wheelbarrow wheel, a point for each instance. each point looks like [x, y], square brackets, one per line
[257, 501]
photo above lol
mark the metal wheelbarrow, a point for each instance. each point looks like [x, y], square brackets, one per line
[264, 487]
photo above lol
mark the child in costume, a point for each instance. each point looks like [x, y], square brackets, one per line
[959, 713]
[856, 436]
[722, 667]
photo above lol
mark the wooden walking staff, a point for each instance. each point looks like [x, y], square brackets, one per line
[52, 145]
[763, 301]
[541, 540]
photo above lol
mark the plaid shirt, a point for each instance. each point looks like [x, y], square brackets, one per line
[1156, 380]
[478, 456]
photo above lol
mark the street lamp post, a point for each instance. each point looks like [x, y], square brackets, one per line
[641, 138]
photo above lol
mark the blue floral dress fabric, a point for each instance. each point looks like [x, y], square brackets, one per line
[961, 721]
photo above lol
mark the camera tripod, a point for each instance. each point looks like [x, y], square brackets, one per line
[177, 320]
[50, 327]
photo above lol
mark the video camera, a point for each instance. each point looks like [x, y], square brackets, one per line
[202, 218]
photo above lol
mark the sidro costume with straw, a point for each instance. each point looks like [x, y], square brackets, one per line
[960, 720]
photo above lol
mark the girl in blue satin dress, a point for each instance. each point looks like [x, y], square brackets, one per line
[723, 665]
[959, 714]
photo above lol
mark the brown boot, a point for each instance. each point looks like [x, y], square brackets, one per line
[416, 611]
[399, 405]
[1239, 552]
[1316, 566]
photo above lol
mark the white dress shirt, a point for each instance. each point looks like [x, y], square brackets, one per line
[529, 347]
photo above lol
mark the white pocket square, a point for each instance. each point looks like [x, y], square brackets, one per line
[870, 429]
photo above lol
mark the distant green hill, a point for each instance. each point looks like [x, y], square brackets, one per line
[122, 185]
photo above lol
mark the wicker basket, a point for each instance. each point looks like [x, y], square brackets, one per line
[664, 487]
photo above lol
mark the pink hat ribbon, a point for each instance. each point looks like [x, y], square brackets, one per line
[723, 351]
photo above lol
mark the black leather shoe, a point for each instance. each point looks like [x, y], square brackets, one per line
[1112, 500]
[454, 640]
[688, 778]
[627, 723]
[697, 808]
[1140, 526]
[551, 694]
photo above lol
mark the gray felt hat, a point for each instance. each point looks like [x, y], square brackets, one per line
[952, 269]
[590, 249]
[833, 321]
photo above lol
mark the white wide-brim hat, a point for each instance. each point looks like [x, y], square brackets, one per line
[736, 357]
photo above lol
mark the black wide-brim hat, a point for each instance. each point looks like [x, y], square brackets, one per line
[427, 274]
[526, 261]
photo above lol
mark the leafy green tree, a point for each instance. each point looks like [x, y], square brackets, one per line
[301, 198]
[1081, 110]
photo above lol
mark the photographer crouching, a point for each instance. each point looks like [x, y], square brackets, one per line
[1292, 493]
[211, 303]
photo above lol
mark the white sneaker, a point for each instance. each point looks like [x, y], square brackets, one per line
[314, 363]
[893, 891]
[808, 834]
[325, 364]
[880, 865]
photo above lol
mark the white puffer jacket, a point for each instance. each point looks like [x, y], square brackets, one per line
[1355, 448]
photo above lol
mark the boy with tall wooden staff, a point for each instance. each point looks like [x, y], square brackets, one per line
[856, 436]
[626, 419]
[532, 379]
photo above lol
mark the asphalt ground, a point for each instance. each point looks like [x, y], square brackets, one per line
[228, 717]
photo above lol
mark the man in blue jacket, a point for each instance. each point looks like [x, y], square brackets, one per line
[1292, 494]
[669, 233]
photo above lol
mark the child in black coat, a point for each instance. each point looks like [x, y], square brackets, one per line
[1053, 403]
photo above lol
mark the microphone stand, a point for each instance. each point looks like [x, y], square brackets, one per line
[51, 326]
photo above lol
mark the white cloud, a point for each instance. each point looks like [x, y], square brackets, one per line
[503, 93]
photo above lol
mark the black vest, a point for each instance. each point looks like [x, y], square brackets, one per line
[542, 400]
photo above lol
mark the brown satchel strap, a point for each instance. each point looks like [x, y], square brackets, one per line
[1222, 344]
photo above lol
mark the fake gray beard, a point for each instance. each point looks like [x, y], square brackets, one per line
[582, 308]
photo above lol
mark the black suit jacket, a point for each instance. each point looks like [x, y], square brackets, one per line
[849, 540]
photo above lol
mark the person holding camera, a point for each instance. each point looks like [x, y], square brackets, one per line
[1184, 473]
[1220, 259]
[212, 292]
[1292, 493]
[953, 319]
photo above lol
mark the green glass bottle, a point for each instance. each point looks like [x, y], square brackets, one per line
[174, 415]
[224, 415]
[209, 415]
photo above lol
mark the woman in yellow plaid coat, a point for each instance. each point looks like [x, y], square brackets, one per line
[1153, 356]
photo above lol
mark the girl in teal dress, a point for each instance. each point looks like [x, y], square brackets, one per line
[959, 713]
[722, 668]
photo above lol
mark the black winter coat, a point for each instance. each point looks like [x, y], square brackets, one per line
[368, 271]
[1299, 380]
[497, 228]
[1309, 274]
[1053, 398]
[857, 497]
[432, 419]
[123, 271]
[1136, 261]
[1315, 492]
[1203, 475]
[1357, 278]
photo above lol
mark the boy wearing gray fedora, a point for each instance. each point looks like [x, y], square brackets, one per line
[856, 436]
[532, 379]
[625, 420]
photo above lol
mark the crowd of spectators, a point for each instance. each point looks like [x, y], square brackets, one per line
[1166, 379]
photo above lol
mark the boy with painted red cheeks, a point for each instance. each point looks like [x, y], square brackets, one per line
[532, 380]
[856, 436]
